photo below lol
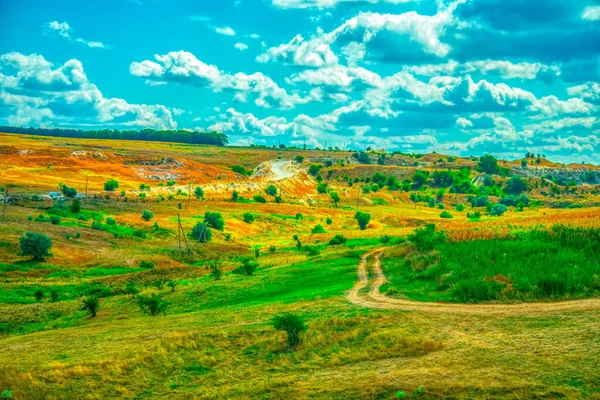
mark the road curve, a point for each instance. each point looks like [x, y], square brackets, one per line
[375, 299]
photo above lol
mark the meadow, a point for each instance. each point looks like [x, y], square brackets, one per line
[187, 285]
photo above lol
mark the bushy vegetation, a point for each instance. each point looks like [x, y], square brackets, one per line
[214, 220]
[152, 305]
[528, 265]
[338, 240]
[291, 324]
[363, 219]
[427, 238]
[35, 245]
[111, 185]
[201, 233]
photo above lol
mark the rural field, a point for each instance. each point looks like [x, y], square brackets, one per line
[149, 269]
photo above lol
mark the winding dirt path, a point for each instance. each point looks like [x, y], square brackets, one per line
[375, 299]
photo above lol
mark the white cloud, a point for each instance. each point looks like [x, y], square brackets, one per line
[588, 91]
[424, 30]
[63, 29]
[42, 94]
[241, 46]
[338, 76]
[183, 67]
[591, 13]
[225, 30]
[463, 122]
[254, 36]
[311, 53]
[327, 3]
[506, 69]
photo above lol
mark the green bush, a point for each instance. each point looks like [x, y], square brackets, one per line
[338, 240]
[111, 221]
[460, 207]
[214, 220]
[75, 206]
[271, 190]
[147, 215]
[201, 232]
[363, 219]
[146, 264]
[249, 218]
[68, 191]
[299, 159]
[474, 215]
[91, 305]
[111, 185]
[318, 229]
[36, 245]
[498, 209]
[292, 324]
[152, 305]
[329, 221]
[55, 220]
[199, 192]
[445, 214]
[259, 199]
[427, 238]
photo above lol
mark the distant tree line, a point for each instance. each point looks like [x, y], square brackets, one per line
[179, 136]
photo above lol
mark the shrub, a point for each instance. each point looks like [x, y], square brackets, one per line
[241, 170]
[385, 239]
[91, 305]
[199, 192]
[271, 190]
[472, 290]
[75, 206]
[292, 324]
[335, 197]
[498, 209]
[111, 185]
[515, 185]
[474, 215]
[445, 214]
[249, 218]
[481, 201]
[322, 188]
[39, 295]
[216, 270]
[487, 164]
[146, 264]
[36, 245]
[249, 265]
[299, 159]
[214, 220]
[201, 233]
[54, 294]
[68, 191]
[111, 221]
[259, 199]
[329, 221]
[311, 251]
[314, 169]
[235, 196]
[299, 217]
[460, 207]
[427, 238]
[131, 289]
[318, 229]
[152, 305]
[55, 220]
[82, 218]
[363, 219]
[147, 215]
[272, 249]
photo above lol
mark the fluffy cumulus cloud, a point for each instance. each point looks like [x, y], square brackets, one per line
[184, 68]
[63, 29]
[40, 93]
[328, 3]
[225, 30]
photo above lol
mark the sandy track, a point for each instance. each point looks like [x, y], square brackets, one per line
[375, 299]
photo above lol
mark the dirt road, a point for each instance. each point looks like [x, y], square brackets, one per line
[375, 299]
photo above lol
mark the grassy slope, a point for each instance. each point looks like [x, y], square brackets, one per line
[211, 344]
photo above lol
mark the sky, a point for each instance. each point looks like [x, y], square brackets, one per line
[462, 77]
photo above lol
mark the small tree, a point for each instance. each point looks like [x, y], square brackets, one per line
[299, 159]
[68, 191]
[152, 305]
[39, 295]
[201, 233]
[36, 245]
[199, 192]
[111, 185]
[498, 209]
[488, 164]
[216, 270]
[363, 219]
[292, 324]
[249, 218]
[271, 190]
[259, 199]
[335, 197]
[131, 289]
[75, 206]
[214, 220]
[172, 283]
[54, 294]
[318, 229]
[147, 215]
[249, 265]
[235, 196]
[91, 305]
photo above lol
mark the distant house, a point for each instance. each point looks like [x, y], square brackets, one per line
[56, 195]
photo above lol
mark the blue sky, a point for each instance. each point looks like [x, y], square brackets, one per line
[454, 76]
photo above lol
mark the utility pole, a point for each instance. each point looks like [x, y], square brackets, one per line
[189, 194]
[182, 233]
[4, 205]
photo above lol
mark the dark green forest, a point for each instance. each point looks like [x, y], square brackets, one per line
[179, 136]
